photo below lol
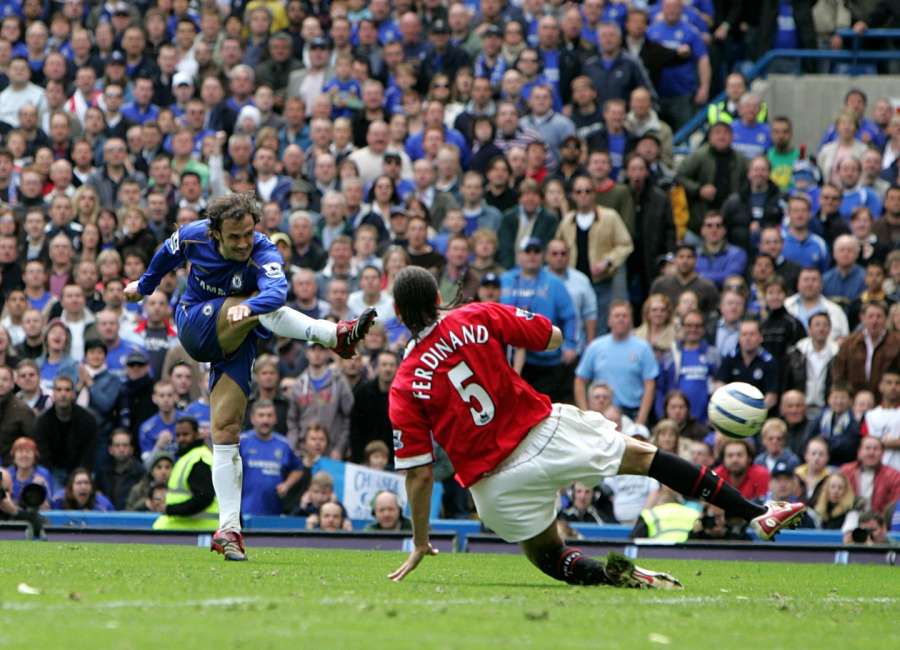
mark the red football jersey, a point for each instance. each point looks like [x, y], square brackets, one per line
[456, 384]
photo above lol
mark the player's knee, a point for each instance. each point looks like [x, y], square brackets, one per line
[226, 432]
[638, 456]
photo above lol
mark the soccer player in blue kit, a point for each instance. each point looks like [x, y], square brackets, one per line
[235, 295]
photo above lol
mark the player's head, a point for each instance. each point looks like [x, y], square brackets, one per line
[232, 220]
[416, 298]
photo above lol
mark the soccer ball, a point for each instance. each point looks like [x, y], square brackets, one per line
[737, 409]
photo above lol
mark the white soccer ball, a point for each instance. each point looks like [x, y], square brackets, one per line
[737, 409]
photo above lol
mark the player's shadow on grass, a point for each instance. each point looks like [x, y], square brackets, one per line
[494, 585]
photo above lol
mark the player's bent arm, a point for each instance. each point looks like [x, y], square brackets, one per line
[556, 339]
[167, 257]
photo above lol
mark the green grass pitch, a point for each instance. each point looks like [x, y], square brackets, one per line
[98, 596]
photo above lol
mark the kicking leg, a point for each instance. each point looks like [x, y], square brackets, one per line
[691, 481]
[227, 406]
[703, 483]
[231, 334]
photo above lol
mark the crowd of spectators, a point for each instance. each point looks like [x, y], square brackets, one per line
[522, 151]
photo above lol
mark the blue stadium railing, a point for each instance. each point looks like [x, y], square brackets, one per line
[853, 56]
[462, 528]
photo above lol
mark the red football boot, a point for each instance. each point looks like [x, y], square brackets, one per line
[778, 515]
[351, 332]
[229, 543]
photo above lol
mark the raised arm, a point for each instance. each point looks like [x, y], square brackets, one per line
[168, 257]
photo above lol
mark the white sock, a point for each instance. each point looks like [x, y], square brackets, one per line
[228, 479]
[293, 324]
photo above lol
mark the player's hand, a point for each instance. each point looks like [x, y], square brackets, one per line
[418, 554]
[132, 293]
[238, 313]
[281, 489]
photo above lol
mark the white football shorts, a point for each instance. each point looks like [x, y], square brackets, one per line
[518, 500]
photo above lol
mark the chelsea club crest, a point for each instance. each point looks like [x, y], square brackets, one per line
[237, 282]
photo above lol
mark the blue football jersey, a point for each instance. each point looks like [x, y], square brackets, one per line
[212, 276]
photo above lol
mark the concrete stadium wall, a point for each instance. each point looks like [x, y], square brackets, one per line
[813, 101]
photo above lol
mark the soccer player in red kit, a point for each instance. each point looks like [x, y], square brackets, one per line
[511, 447]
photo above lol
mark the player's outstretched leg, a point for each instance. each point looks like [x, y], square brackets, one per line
[703, 483]
[568, 564]
[227, 405]
[342, 336]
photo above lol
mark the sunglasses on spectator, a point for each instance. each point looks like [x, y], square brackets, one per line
[582, 191]
[439, 85]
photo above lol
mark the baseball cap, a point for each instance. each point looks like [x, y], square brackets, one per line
[638, 431]
[182, 79]
[490, 280]
[158, 456]
[280, 237]
[136, 358]
[492, 30]
[805, 170]
[782, 469]
[119, 8]
[116, 57]
[440, 26]
[398, 212]
[393, 155]
[532, 243]
[319, 43]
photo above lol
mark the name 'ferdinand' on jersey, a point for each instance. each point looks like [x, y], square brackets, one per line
[456, 384]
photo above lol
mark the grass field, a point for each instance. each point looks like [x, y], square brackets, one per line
[136, 596]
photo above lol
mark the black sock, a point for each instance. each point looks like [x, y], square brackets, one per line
[569, 565]
[701, 483]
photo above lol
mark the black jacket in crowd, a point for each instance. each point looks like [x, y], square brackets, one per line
[140, 401]
[780, 331]
[67, 444]
[654, 234]
[116, 481]
[369, 420]
[738, 215]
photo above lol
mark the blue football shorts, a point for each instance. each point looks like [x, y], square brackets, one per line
[197, 332]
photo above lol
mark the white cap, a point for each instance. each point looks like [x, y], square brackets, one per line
[181, 78]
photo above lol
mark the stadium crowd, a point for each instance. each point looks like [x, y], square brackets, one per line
[519, 149]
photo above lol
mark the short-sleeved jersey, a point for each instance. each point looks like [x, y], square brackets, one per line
[455, 384]
[213, 276]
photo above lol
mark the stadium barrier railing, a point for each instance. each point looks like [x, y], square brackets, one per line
[759, 69]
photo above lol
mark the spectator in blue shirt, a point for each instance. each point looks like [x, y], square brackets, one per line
[157, 433]
[801, 245]
[682, 86]
[271, 468]
[535, 289]
[716, 258]
[690, 368]
[855, 101]
[141, 109]
[846, 280]
[750, 137]
[854, 194]
[623, 361]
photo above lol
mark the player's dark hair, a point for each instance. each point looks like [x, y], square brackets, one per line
[416, 294]
[232, 206]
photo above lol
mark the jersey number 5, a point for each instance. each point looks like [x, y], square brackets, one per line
[484, 412]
